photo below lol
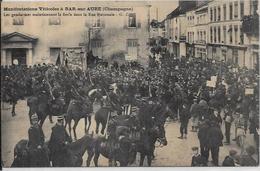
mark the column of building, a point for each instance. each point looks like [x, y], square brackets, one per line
[29, 57]
[3, 57]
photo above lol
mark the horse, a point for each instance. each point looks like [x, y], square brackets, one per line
[9, 95]
[77, 110]
[152, 118]
[146, 144]
[101, 118]
[76, 150]
[41, 106]
[22, 156]
[125, 153]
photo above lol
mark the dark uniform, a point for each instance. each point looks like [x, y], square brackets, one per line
[214, 138]
[35, 145]
[115, 103]
[57, 145]
[228, 120]
[184, 119]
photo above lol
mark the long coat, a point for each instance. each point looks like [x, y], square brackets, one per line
[58, 138]
[202, 135]
[214, 137]
[36, 137]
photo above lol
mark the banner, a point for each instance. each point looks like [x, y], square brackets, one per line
[249, 91]
[211, 84]
[213, 78]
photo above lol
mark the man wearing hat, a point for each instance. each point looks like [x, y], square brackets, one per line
[58, 141]
[36, 141]
[230, 159]
[214, 138]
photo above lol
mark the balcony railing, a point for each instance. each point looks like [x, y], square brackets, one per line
[250, 24]
[182, 38]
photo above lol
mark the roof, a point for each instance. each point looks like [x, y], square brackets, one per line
[203, 7]
[27, 37]
[182, 9]
[174, 13]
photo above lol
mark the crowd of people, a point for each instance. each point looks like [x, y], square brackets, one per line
[181, 84]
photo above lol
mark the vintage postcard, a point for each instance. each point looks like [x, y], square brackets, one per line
[130, 83]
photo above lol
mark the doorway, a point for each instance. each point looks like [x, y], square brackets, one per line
[19, 55]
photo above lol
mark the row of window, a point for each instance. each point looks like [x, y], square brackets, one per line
[201, 36]
[230, 34]
[201, 19]
[201, 53]
[226, 11]
[96, 23]
[97, 43]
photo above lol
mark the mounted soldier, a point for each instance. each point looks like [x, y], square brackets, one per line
[37, 151]
[58, 143]
[113, 97]
[55, 90]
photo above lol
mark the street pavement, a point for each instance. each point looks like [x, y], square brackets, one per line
[177, 153]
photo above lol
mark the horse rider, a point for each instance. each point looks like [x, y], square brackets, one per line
[35, 143]
[113, 98]
[111, 138]
[58, 143]
[56, 92]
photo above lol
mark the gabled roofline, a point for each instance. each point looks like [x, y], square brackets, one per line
[26, 36]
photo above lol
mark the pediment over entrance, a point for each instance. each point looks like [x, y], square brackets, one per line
[18, 37]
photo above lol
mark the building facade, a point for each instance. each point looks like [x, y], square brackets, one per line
[33, 40]
[179, 29]
[190, 33]
[218, 30]
[227, 40]
[201, 31]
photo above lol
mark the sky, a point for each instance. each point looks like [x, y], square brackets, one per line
[164, 8]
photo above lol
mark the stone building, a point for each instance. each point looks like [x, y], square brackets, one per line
[175, 26]
[33, 40]
[220, 30]
[227, 40]
[201, 31]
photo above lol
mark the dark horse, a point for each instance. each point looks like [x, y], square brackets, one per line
[125, 154]
[152, 119]
[81, 109]
[42, 106]
[101, 117]
[77, 110]
[76, 150]
[22, 156]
